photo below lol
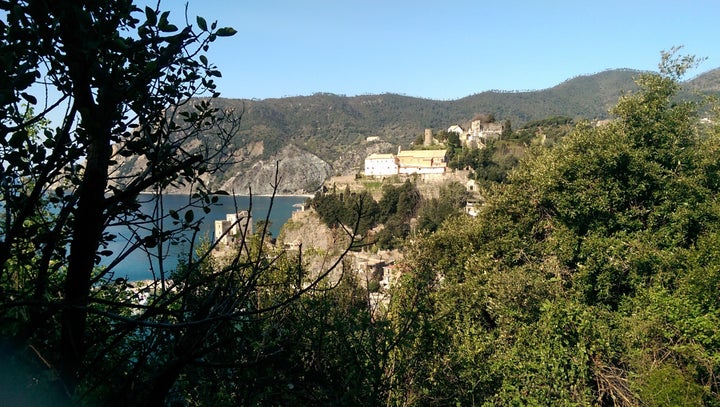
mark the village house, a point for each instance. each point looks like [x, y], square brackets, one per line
[456, 129]
[471, 185]
[472, 208]
[406, 162]
[390, 276]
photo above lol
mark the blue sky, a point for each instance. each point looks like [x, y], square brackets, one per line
[443, 49]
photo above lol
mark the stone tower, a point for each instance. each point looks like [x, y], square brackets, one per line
[428, 137]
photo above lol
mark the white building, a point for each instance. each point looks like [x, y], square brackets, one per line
[380, 165]
[234, 227]
[456, 129]
[472, 208]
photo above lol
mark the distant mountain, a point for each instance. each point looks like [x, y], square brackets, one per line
[709, 82]
[329, 120]
[329, 131]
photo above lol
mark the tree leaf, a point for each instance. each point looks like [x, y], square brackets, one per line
[226, 32]
[164, 18]
[168, 28]
[151, 16]
[202, 23]
[29, 98]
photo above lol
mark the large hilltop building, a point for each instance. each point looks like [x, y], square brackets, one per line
[380, 165]
[422, 161]
[426, 162]
[406, 162]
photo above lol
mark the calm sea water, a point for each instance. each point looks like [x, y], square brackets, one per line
[137, 265]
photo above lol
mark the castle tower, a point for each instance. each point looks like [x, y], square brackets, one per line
[428, 137]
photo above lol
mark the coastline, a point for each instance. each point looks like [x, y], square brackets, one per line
[285, 195]
[135, 266]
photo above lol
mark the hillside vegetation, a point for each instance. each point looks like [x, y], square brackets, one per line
[589, 277]
[324, 123]
[587, 274]
[333, 128]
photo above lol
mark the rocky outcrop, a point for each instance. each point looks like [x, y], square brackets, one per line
[300, 172]
[321, 246]
[306, 230]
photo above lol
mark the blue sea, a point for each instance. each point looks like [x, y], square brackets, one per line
[136, 266]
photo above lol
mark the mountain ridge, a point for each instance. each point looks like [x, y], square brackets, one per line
[329, 131]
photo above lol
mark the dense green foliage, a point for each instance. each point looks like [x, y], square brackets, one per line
[450, 203]
[329, 120]
[125, 83]
[347, 209]
[589, 277]
[547, 131]
[360, 212]
[489, 164]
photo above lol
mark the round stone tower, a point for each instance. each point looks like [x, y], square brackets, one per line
[428, 137]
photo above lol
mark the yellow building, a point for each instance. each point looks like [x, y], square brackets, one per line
[422, 161]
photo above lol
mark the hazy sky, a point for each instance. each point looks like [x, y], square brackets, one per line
[444, 49]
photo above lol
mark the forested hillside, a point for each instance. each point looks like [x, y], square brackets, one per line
[333, 127]
[328, 120]
[326, 123]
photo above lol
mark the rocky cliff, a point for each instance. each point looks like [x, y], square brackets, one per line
[299, 172]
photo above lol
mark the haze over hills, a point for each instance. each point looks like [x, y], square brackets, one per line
[316, 136]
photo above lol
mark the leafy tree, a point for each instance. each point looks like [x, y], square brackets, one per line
[552, 129]
[507, 129]
[347, 209]
[434, 211]
[586, 277]
[131, 87]
[125, 87]
[490, 164]
[451, 140]
[398, 205]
